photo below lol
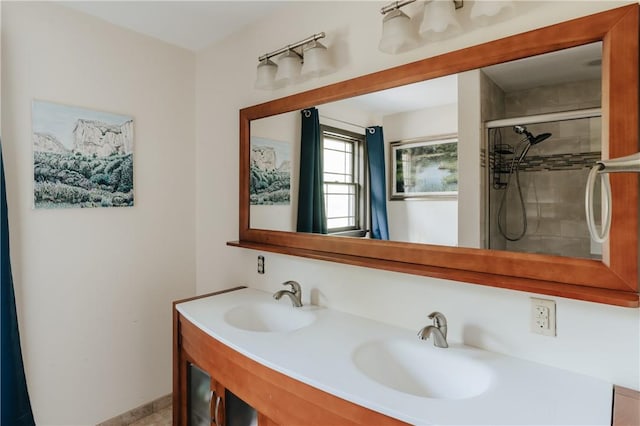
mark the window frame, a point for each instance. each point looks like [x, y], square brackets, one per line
[359, 175]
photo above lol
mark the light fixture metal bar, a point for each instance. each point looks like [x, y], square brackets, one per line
[395, 5]
[458, 3]
[293, 46]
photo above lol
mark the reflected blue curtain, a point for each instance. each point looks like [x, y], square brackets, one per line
[15, 407]
[377, 183]
[311, 211]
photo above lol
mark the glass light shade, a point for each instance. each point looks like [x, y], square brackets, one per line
[439, 20]
[289, 67]
[266, 74]
[485, 12]
[316, 60]
[398, 35]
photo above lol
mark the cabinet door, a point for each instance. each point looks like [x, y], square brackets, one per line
[210, 404]
[199, 396]
[238, 412]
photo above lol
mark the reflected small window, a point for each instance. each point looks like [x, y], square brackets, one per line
[343, 179]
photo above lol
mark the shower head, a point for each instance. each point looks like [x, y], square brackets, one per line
[541, 137]
[521, 130]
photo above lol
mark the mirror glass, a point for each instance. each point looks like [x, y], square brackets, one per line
[493, 158]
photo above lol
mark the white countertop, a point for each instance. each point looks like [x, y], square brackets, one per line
[321, 355]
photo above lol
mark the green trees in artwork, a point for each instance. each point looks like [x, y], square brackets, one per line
[85, 180]
[413, 162]
[269, 186]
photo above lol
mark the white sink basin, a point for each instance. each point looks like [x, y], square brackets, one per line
[420, 369]
[268, 317]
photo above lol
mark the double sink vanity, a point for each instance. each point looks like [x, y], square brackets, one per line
[313, 365]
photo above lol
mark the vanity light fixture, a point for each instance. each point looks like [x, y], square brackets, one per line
[289, 67]
[399, 34]
[439, 20]
[485, 12]
[317, 62]
[303, 59]
[266, 74]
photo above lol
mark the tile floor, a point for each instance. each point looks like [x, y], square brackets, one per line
[159, 418]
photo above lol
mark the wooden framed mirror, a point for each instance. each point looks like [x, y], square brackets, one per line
[611, 280]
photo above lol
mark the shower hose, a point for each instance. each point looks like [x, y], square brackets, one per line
[515, 165]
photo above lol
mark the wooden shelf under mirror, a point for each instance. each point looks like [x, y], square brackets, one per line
[612, 280]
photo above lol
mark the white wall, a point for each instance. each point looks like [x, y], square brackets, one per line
[470, 217]
[598, 340]
[94, 286]
[422, 221]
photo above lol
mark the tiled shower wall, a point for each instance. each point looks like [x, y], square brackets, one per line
[492, 108]
[553, 175]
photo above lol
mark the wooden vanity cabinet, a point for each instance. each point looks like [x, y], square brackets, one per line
[281, 400]
[626, 407]
[278, 399]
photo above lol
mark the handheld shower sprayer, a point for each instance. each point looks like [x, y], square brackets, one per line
[528, 141]
[630, 164]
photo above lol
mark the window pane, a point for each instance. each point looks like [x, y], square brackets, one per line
[334, 177]
[340, 202]
[341, 222]
[335, 162]
[352, 205]
[332, 188]
[335, 144]
[349, 165]
[338, 205]
[337, 177]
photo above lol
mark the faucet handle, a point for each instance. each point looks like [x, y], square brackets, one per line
[440, 321]
[295, 287]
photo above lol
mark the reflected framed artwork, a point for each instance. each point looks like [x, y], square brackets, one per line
[424, 168]
[270, 172]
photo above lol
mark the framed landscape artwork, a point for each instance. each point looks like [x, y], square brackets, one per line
[81, 157]
[424, 168]
[270, 182]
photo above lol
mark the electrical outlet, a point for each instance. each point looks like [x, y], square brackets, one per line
[543, 316]
[261, 264]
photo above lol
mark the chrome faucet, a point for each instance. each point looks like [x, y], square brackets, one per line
[438, 330]
[295, 294]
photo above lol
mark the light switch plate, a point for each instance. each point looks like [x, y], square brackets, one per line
[543, 316]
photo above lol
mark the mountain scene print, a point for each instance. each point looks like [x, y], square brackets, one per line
[270, 181]
[81, 158]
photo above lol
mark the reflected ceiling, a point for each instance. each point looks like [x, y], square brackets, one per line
[576, 64]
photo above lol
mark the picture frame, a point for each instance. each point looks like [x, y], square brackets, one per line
[424, 168]
[82, 158]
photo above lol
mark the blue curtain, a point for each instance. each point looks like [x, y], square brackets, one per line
[311, 212]
[15, 407]
[377, 183]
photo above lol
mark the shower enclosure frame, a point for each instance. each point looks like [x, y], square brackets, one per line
[510, 122]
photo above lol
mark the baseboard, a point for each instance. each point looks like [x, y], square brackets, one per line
[138, 413]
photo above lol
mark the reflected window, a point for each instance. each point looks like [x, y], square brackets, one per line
[343, 179]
